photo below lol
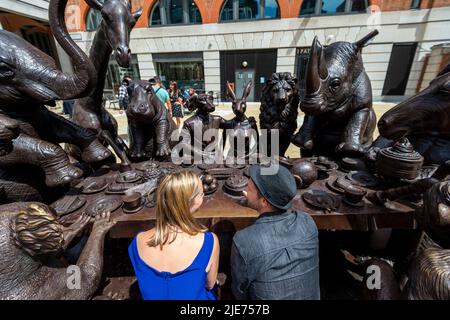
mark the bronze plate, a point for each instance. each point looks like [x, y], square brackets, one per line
[128, 177]
[146, 165]
[103, 204]
[363, 179]
[94, 185]
[321, 199]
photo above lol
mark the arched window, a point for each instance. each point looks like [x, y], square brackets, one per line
[249, 9]
[167, 12]
[324, 7]
[93, 20]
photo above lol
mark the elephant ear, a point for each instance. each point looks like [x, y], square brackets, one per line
[6, 72]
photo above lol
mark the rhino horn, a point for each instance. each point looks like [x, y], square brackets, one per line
[317, 69]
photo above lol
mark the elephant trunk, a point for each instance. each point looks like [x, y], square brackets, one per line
[84, 78]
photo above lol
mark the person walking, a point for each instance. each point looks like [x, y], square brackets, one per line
[161, 93]
[176, 100]
[123, 93]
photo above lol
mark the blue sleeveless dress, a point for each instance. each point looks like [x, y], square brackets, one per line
[188, 284]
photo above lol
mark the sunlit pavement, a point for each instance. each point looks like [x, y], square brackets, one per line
[224, 110]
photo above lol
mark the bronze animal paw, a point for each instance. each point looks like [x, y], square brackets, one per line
[163, 151]
[303, 141]
[349, 148]
[95, 152]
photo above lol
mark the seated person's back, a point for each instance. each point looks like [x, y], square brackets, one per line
[178, 260]
[278, 256]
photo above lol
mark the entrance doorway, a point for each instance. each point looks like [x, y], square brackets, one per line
[242, 77]
[399, 68]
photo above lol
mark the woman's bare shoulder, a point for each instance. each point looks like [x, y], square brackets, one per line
[145, 236]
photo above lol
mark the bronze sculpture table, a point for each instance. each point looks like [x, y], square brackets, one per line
[219, 206]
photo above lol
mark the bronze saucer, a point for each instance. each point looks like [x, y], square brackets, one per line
[103, 204]
[146, 165]
[322, 200]
[128, 177]
[363, 179]
[138, 208]
[91, 186]
[360, 204]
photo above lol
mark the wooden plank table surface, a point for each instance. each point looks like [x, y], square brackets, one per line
[219, 207]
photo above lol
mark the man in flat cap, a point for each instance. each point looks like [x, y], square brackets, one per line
[278, 256]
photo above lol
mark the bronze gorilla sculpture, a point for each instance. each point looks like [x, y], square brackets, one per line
[29, 79]
[279, 110]
[424, 119]
[339, 117]
[29, 236]
[113, 35]
[199, 132]
[149, 124]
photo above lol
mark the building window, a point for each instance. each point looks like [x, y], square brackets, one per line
[249, 9]
[319, 7]
[185, 68]
[93, 20]
[116, 73]
[167, 12]
[415, 4]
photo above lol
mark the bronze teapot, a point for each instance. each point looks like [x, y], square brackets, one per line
[305, 173]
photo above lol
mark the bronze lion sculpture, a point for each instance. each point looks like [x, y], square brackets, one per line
[279, 109]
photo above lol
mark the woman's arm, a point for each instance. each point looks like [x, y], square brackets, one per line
[213, 266]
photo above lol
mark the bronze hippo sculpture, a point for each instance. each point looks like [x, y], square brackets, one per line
[113, 35]
[240, 129]
[149, 125]
[30, 79]
[339, 118]
[279, 110]
[31, 243]
[424, 119]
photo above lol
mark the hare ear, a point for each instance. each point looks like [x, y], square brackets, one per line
[247, 90]
[231, 92]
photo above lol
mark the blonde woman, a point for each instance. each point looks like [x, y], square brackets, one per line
[178, 259]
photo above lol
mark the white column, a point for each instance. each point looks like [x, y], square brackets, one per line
[286, 60]
[211, 63]
[146, 66]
